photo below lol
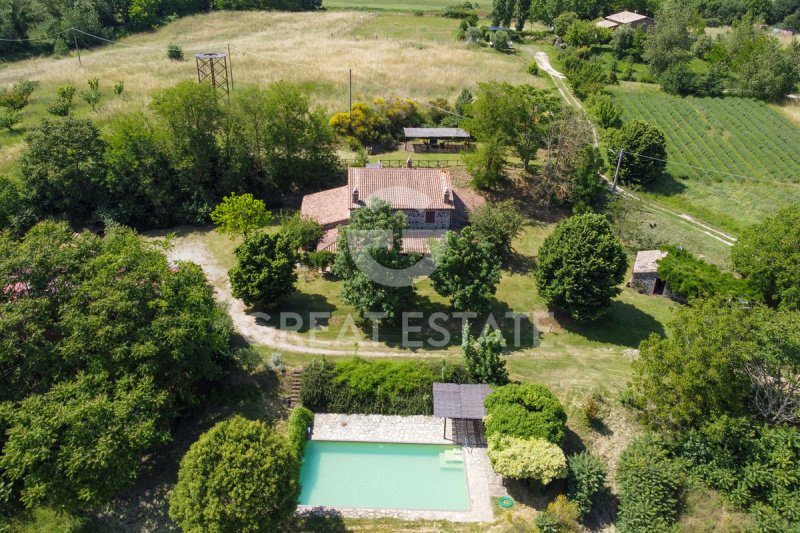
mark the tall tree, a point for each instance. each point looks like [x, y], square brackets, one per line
[240, 215]
[63, 168]
[516, 115]
[580, 266]
[482, 357]
[239, 476]
[265, 269]
[669, 41]
[468, 272]
[645, 151]
[369, 260]
[768, 256]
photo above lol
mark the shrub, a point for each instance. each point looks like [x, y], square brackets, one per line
[562, 22]
[650, 488]
[500, 41]
[19, 96]
[520, 458]
[119, 87]
[473, 35]
[8, 119]
[319, 260]
[532, 68]
[482, 357]
[175, 52]
[527, 411]
[561, 516]
[92, 95]
[63, 104]
[690, 277]
[302, 231]
[587, 477]
[297, 431]
[239, 476]
[375, 387]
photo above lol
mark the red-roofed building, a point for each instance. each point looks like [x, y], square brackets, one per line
[425, 195]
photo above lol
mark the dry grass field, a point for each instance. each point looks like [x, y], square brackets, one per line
[390, 54]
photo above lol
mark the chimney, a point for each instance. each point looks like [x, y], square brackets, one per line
[355, 195]
[446, 195]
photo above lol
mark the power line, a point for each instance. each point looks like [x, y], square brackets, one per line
[709, 169]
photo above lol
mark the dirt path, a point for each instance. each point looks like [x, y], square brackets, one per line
[250, 325]
[543, 60]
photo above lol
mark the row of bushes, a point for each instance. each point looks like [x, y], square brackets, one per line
[376, 387]
[297, 429]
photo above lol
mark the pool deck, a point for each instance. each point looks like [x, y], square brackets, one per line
[482, 482]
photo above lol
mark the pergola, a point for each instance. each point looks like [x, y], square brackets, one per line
[459, 402]
[431, 138]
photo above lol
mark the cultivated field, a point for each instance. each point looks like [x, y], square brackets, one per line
[753, 147]
[390, 54]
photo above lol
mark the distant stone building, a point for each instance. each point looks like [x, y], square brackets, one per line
[626, 18]
[645, 273]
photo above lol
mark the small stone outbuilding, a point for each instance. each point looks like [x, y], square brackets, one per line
[645, 273]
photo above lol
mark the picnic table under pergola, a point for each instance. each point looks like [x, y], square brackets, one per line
[436, 140]
[462, 403]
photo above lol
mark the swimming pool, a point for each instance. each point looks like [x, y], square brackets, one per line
[369, 475]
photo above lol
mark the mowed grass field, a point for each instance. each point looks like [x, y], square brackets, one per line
[390, 54]
[752, 149]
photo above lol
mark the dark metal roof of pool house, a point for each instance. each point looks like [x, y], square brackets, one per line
[435, 133]
[460, 401]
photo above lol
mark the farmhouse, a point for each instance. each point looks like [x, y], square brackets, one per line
[425, 195]
[626, 18]
[645, 273]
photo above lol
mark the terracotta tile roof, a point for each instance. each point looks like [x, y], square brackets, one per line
[647, 261]
[605, 23]
[626, 17]
[403, 188]
[413, 240]
[328, 207]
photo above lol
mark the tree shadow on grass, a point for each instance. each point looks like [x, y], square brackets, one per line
[521, 264]
[623, 324]
[668, 185]
[299, 303]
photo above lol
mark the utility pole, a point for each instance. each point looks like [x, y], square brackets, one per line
[75, 39]
[616, 174]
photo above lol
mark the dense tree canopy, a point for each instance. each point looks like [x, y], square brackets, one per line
[768, 256]
[102, 344]
[580, 266]
[240, 215]
[468, 271]
[239, 476]
[264, 273]
[497, 223]
[482, 356]
[645, 152]
[689, 277]
[175, 165]
[518, 458]
[722, 358]
[517, 115]
[369, 260]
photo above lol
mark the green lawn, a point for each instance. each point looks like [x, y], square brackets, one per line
[737, 136]
[561, 353]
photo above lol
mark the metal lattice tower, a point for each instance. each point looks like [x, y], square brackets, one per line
[212, 67]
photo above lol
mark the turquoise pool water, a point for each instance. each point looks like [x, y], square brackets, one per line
[384, 476]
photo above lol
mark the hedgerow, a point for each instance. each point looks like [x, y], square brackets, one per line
[376, 387]
[297, 431]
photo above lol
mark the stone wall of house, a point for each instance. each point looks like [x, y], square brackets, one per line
[416, 219]
[644, 282]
